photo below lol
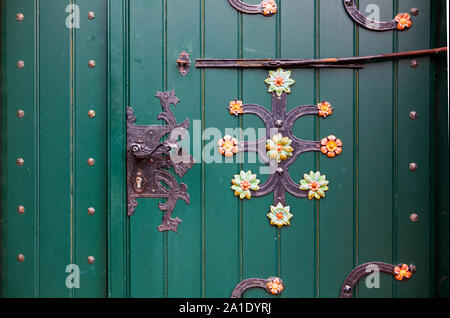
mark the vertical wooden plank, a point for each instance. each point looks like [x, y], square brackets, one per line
[261, 241]
[222, 212]
[414, 84]
[146, 62]
[2, 140]
[55, 150]
[297, 241]
[441, 154]
[118, 278]
[90, 181]
[20, 230]
[185, 247]
[335, 212]
[375, 151]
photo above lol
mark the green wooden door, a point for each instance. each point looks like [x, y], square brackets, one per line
[365, 216]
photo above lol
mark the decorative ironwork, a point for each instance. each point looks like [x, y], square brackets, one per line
[401, 22]
[184, 63]
[279, 148]
[368, 268]
[266, 7]
[148, 158]
[345, 62]
[273, 285]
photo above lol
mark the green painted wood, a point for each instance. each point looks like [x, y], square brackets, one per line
[148, 247]
[374, 152]
[20, 279]
[414, 144]
[90, 183]
[221, 241]
[185, 261]
[298, 265]
[441, 155]
[56, 212]
[261, 241]
[336, 213]
[222, 211]
[118, 223]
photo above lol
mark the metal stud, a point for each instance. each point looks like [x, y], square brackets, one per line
[20, 258]
[413, 166]
[91, 113]
[19, 17]
[91, 211]
[91, 259]
[20, 113]
[91, 161]
[414, 11]
[91, 63]
[414, 217]
[21, 209]
[91, 15]
[413, 115]
[20, 162]
[347, 289]
[414, 64]
[20, 64]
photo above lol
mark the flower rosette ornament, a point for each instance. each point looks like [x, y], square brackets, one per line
[228, 146]
[331, 146]
[316, 185]
[275, 286]
[325, 109]
[279, 148]
[280, 215]
[235, 107]
[402, 272]
[244, 183]
[269, 7]
[279, 81]
[403, 21]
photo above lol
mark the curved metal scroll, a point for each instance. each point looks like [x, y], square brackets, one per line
[148, 158]
[250, 283]
[364, 270]
[357, 16]
[278, 120]
[251, 8]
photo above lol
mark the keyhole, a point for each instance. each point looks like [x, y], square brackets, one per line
[139, 183]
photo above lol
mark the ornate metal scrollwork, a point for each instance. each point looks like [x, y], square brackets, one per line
[266, 7]
[400, 271]
[401, 22]
[148, 158]
[273, 285]
[278, 120]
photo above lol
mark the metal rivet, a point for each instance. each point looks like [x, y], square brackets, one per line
[91, 113]
[347, 289]
[414, 217]
[91, 15]
[413, 115]
[20, 258]
[21, 209]
[19, 17]
[20, 113]
[20, 162]
[91, 211]
[91, 161]
[91, 63]
[20, 64]
[414, 64]
[414, 11]
[413, 166]
[91, 259]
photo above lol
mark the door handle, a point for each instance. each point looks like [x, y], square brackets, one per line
[149, 158]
